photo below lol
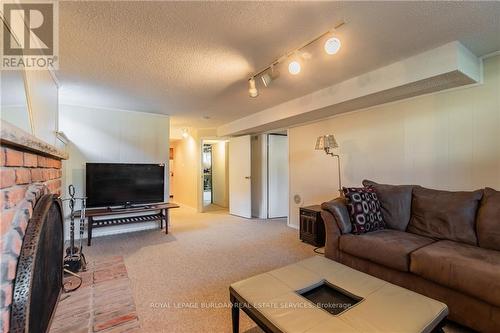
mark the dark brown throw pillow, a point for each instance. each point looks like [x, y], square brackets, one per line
[364, 209]
[395, 203]
[488, 220]
[445, 214]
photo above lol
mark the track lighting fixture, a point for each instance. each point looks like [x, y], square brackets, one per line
[252, 89]
[266, 79]
[332, 46]
[269, 76]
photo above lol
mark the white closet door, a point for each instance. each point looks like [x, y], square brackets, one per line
[240, 190]
[277, 176]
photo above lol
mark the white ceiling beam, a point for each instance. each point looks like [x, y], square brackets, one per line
[450, 65]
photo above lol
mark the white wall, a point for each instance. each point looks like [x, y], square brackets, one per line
[186, 162]
[43, 93]
[106, 135]
[447, 140]
[29, 99]
[35, 92]
[220, 175]
[17, 116]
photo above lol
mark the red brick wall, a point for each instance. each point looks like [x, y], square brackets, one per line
[24, 177]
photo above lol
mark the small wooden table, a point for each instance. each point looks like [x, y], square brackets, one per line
[312, 227]
[162, 208]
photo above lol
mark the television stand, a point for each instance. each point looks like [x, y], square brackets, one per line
[91, 214]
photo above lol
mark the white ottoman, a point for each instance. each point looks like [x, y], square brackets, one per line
[272, 300]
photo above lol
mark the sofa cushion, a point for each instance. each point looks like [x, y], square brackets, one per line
[395, 203]
[364, 209]
[390, 248]
[445, 214]
[469, 269]
[488, 220]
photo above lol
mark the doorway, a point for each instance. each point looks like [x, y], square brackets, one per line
[214, 174]
[208, 197]
[269, 186]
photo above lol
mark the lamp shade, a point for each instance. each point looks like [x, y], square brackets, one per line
[325, 142]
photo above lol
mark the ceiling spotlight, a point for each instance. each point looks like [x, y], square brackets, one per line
[252, 90]
[332, 45]
[269, 76]
[294, 67]
[266, 79]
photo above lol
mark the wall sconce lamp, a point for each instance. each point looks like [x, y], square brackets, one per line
[327, 143]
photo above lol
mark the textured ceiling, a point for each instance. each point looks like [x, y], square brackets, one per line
[192, 59]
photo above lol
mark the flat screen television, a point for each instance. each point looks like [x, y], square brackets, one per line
[119, 184]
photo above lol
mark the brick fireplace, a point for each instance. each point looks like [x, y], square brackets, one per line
[29, 168]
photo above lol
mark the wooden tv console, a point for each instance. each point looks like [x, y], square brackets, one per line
[160, 208]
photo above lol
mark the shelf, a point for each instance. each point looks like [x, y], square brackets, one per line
[126, 220]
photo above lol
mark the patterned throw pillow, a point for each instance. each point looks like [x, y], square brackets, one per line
[364, 209]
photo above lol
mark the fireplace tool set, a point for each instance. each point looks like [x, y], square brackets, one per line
[74, 260]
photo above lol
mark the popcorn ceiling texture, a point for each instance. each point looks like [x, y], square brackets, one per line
[190, 59]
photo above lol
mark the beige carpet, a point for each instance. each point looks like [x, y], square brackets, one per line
[180, 281]
[173, 276]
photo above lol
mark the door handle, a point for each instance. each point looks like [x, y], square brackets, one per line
[247, 177]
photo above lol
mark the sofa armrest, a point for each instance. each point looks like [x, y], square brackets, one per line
[337, 222]
[337, 207]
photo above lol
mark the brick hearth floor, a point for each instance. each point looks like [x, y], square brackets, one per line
[104, 303]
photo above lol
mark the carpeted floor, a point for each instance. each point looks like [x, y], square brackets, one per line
[180, 281]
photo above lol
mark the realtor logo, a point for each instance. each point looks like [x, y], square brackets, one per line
[30, 35]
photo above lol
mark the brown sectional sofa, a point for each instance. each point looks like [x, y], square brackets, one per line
[445, 245]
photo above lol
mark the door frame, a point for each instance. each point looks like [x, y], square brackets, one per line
[200, 207]
[211, 174]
